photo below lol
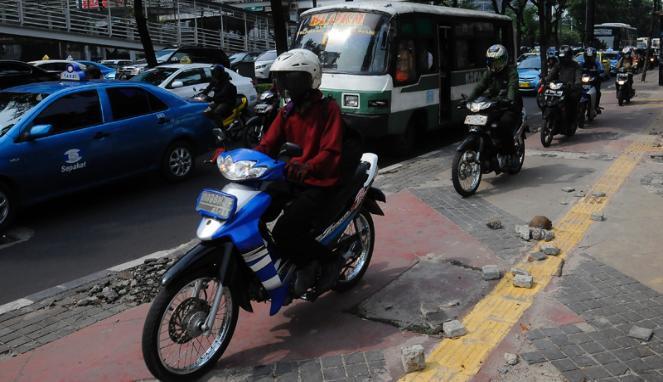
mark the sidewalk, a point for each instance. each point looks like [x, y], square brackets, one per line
[430, 248]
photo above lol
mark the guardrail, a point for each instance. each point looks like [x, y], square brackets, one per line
[47, 16]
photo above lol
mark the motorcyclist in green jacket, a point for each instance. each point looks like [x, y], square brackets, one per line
[500, 83]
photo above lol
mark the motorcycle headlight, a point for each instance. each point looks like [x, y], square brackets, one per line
[476, 107]
[240, 170]
[555, 86]
[585, 79]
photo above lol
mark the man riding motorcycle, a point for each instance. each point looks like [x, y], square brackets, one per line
[568, 71]
[502, 78]
[314, 176]
[225, 94]
[627, 62]
[551, 57]
[591, 65]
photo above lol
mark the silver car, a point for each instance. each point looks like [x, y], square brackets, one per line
[264, 63]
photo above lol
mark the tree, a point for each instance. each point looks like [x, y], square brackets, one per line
[144, 32]
[631, 12]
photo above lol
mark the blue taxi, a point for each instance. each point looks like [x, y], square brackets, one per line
[59, 137]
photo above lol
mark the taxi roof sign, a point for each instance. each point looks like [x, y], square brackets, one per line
[73, 73]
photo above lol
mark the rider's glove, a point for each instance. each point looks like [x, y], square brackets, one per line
[297, 171]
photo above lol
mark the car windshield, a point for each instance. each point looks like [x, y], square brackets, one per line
[14, 105]
[237, 57]
[530, 63]
[610, 56]
[346, 42]
[155, 76]
[270, 55]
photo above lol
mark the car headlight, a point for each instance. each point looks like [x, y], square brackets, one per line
[240, 170]
[555, 86]
[351, 100]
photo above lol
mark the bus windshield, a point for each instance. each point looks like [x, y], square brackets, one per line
[346, 42]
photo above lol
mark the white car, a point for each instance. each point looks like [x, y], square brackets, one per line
[264, 63]
[187, 80]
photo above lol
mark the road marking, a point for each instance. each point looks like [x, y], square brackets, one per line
[494, 316]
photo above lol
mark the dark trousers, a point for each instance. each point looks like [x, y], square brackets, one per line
[597, 85]
[304, 209]
[505, 128]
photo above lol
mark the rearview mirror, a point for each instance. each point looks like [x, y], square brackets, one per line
[39, 131]
[176, 84]
[290, 150]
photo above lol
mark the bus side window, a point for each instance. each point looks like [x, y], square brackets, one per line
[426, 49]
[406, 70]
[471, 40]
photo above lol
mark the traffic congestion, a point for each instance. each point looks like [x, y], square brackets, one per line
[292, 202]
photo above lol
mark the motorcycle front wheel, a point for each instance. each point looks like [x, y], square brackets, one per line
[620, 98]
[520, 153]
[362, 251]
[174, 346]
[547, 132]
[252, 135]
[466, 172]
[581, 115]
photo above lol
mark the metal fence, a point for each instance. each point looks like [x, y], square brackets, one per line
[178, 22]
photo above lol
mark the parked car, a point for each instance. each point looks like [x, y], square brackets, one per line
[610, 57]
[194, 55]
[116, 64]
[13, 73]
[243, 57]
[187, 80]
[64, 136]
[107, 72]
[264, 63]
[53, 66]
[529, 72]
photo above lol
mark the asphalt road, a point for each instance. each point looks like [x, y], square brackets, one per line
[87, 232]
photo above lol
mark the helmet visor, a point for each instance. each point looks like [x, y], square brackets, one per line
[496, 64]
[295, 84]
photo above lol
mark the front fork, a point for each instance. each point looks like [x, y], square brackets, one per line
[225, 261]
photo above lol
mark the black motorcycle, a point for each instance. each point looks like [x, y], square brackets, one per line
[623, 85]
[478, 154]
[232, 129]
[265, 112]
[557, 119]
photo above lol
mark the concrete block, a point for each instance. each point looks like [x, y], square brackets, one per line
[523, 231]
[548, 235]
[490, 272]
[413, 358]
[568, 189]
[598, 194]
[550, 250]
[519, 271]
[522, 281]
[598, 217]
[640, 333]
[453, 329]
[511, 359]
[537, 256]
[433, 315]
[536, 234]
[494, 224]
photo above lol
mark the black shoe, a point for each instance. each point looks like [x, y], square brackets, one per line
[331, 270]
[598, 110]
[305, 278]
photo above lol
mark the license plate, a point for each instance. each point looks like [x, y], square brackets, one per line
[477, 120]
[216, 204]
[525, 85]
[554, 93]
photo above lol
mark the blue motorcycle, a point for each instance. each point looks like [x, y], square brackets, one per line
[192, 319]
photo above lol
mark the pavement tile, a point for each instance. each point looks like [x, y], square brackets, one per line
[605, 358]
[631, 378]
[553, 354]
[354, 358]
[544, 344]
[374, 356]
[643, 351]
[592, 347]
[637, 365]
[334, 374]
[574, 376]
[332, 361]
[561, 340]
[570, 329]
[626, 354]
[579, 338]
[284, 368]
[608, 344]
[655, 362]
[551, 332]
[564, 365]
[595, 372]
[292, 376]
[535, 334]
[533, 357]
[262, 370]
[572, 350]
[651, 376]
[617, 369]
[357, 370]
[583, 361]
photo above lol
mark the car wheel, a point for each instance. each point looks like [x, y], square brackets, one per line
[178, 162]
[7, 207]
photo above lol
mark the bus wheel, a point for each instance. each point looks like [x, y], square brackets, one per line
[403, 144]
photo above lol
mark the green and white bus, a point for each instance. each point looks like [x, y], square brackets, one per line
[399, 68]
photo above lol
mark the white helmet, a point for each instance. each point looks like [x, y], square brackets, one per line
[299, 60]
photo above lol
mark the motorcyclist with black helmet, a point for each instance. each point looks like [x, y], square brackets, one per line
[591, 65]
[501, 83]
[225, 93]
[569, 72]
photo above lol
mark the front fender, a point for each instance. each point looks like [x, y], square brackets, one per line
[550, 112]
[471, 140]
[199, 258]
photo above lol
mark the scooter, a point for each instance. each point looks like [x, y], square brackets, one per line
[478, 153]
[623, 86]
[555, 114]
[192, 319]
[231, 129]
[265, 112]
[588, 99]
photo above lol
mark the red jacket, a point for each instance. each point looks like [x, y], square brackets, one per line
[320, 140]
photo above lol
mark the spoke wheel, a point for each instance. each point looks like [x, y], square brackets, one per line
[466, 172]
[175, 347]
[178, 162]
[353, 270]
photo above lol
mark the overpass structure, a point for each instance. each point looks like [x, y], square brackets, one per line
[110, 23]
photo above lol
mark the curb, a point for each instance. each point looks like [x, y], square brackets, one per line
[90, 279]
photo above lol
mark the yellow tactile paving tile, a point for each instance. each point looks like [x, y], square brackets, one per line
[493, 317]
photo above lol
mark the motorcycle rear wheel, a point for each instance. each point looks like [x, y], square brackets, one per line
[547, 132]
[520, 152]
[174, 318]
[354, 268]
[463, 162]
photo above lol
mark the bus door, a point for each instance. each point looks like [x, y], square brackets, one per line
[444, 64]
